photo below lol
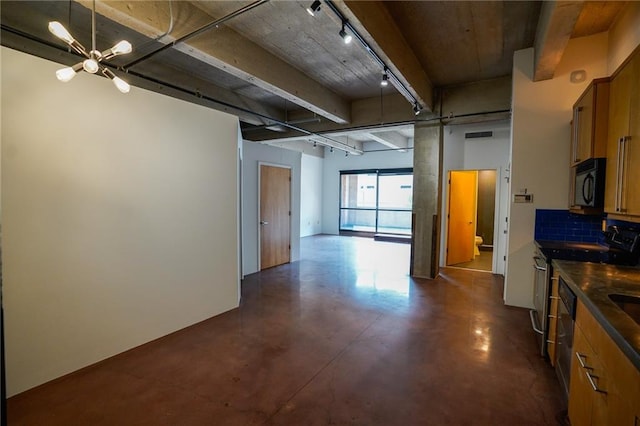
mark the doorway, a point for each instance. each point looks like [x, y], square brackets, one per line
[471, 219]
[274, 229]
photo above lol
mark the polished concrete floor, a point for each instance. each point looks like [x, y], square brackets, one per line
[342, 337]
[481, 262]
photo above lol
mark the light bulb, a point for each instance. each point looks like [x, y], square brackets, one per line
[58, 30]
[90, 66]
[121, 48]
[122, 85]
[385, 80]
[346, 37]
[65, 74]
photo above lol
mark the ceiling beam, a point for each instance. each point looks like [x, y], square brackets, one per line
[369, 113]
[337, 141]
[228, 51]
[391, 139]
[555, 26]
[377, 26]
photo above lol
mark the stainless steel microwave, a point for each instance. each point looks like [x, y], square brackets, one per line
[589, 189]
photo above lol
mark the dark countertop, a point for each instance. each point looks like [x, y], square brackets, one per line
[592, 283]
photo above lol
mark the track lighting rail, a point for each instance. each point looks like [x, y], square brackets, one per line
[399, 85]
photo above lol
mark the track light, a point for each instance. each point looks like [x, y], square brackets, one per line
[346, 153]
[416, 108]
[331, 150]
[315, 144]
[385, 78]
[345, 37]
[92, 63]
[314, 8]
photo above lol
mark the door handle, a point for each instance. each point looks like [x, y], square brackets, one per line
[264, 222]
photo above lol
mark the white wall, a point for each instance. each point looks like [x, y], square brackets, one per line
[479, 154]
[311, 195]
[624, 36]
[336, 161]
[253, 154]
[114, 230]
[541, 115]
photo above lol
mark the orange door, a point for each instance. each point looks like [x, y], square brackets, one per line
[275, 216]
[463, 193]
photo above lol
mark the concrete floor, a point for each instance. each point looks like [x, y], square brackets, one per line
[481, 262]
[341, 337]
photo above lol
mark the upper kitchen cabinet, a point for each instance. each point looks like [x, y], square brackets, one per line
[590, 122]
[622, 191]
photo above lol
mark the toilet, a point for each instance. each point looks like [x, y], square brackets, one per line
[476, 250]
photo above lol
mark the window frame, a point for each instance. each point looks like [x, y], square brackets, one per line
[376, 209]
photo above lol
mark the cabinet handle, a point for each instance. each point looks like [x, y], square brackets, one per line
[552, 316]
[623, 172]
[554, 297]
[582, 364]
[576, 134]
[595, 387]
[622, 159]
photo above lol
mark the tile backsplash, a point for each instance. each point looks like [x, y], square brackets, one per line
[561, 225]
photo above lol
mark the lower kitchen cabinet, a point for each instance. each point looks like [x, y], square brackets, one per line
[552, 339]
[605, 385]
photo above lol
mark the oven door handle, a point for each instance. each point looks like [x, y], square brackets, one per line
[532, 313]
[535, 264]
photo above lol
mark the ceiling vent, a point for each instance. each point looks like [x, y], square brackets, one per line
[476, 135]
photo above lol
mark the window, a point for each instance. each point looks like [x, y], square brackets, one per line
[376, 201]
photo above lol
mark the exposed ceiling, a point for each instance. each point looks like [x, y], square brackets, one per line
[277, 67]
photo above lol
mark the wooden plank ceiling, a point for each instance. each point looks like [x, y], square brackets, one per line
[276, 63]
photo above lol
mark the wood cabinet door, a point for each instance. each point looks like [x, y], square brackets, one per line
[553, 320]
[619, 110]
[583, 116]
[632, 166]
[580, 391]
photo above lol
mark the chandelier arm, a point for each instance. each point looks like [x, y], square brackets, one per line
[75, 45]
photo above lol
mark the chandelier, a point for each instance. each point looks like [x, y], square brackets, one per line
[92, 64]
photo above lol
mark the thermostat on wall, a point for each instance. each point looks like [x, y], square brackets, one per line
[523, 198]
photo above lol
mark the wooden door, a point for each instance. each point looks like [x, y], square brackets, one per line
[463, 192]
[275, 216]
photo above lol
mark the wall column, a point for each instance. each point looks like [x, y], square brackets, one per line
[427, 171]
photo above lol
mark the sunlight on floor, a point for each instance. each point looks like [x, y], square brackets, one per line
[382, 265]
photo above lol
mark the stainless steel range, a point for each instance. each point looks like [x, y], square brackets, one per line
[621, 247]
